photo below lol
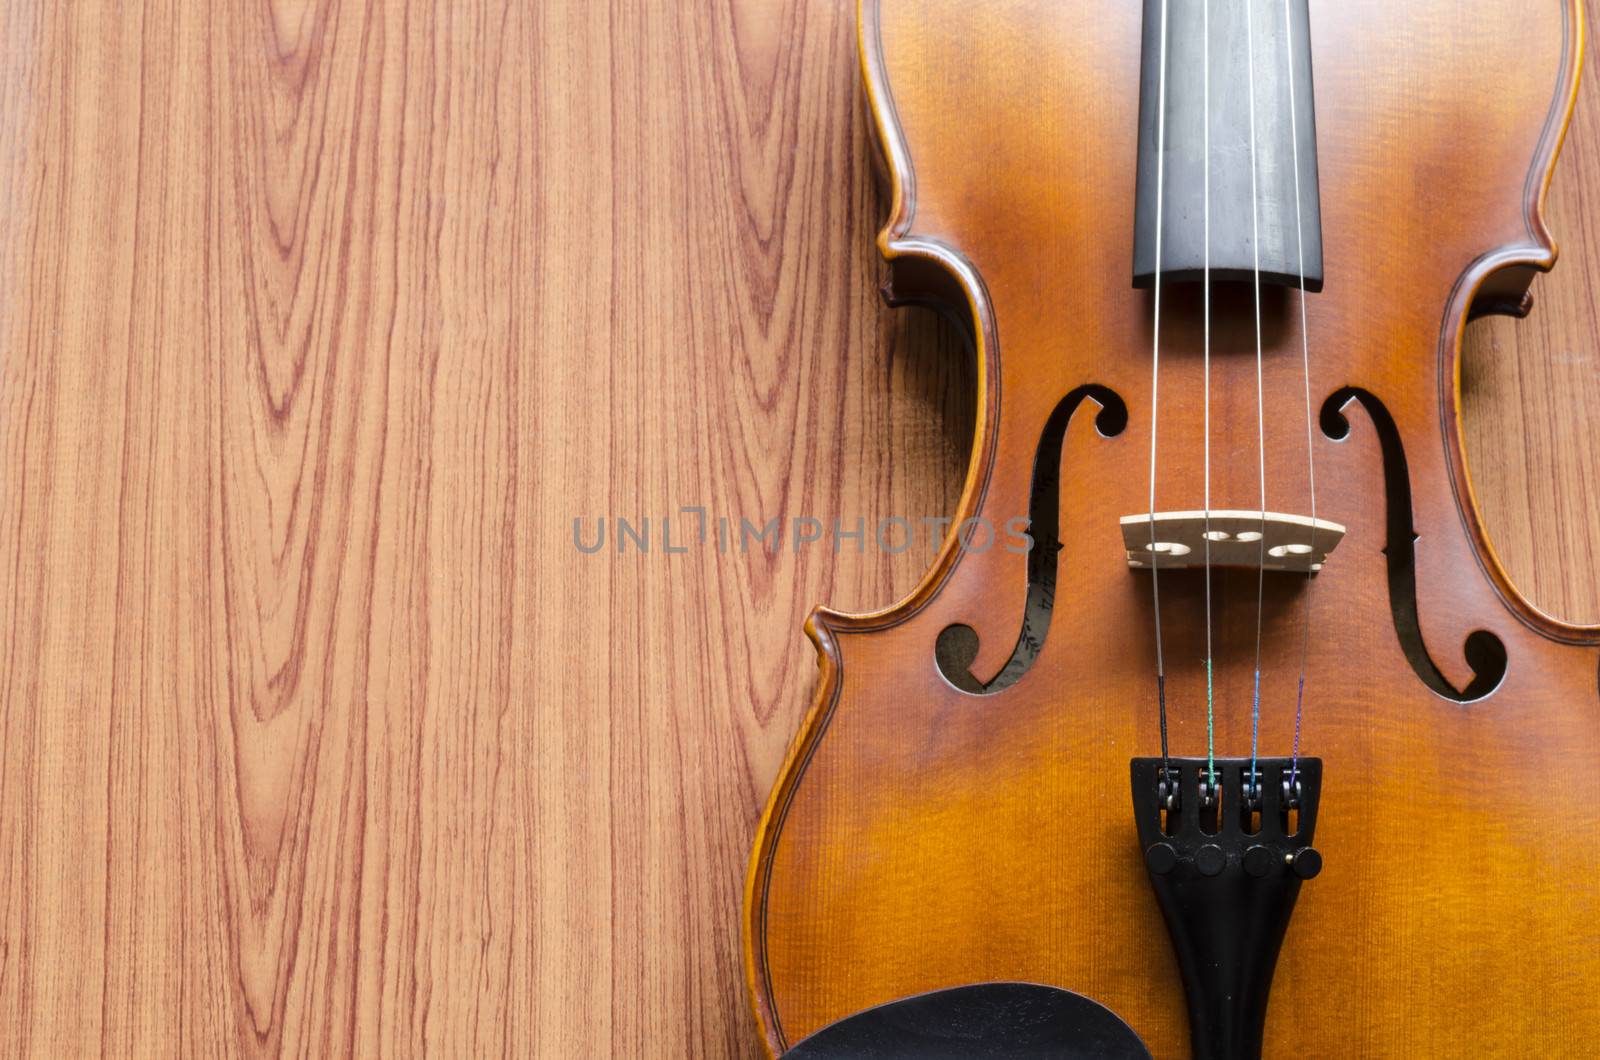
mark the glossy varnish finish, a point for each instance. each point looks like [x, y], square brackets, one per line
[921, 837]
[318, 322]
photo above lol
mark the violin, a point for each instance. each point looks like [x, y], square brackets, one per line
[1255, 749]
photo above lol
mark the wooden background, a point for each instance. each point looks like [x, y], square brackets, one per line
[320, 322]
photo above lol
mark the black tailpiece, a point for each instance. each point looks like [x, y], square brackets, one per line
[1226, 859]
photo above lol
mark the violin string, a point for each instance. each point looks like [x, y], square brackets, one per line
[1205, 120]
[1155, 384]
[1305, 363]
[1261, 436]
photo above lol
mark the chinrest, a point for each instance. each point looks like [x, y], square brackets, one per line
[985, 1021]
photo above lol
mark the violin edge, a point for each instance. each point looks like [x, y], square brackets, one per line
[922, 271]
[759, 871]
[1476, 292]
[927, 272]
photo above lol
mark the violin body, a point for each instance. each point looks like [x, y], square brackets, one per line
[935, 824]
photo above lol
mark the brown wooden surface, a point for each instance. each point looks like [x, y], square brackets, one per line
[319, 322]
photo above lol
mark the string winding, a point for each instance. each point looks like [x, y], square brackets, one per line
[1205, 110]
[1155, 386]
[1305, 362]
[1261, 426]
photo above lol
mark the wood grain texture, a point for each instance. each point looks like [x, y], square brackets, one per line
[319, 323]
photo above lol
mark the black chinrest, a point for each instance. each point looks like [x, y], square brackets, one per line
[985, 1021]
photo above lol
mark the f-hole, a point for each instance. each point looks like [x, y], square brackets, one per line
[1485, 653]
[957, 645]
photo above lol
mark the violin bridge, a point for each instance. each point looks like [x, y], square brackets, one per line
[1293, 543]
